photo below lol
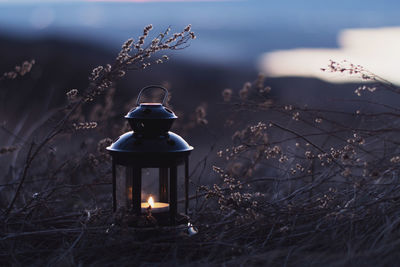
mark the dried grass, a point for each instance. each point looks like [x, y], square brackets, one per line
[308, 186]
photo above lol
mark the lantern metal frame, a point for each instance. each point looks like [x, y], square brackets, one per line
[165, 150]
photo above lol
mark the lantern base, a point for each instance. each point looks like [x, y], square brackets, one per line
[154, 220]
[163, 219]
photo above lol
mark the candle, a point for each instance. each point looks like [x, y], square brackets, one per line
[156, 207]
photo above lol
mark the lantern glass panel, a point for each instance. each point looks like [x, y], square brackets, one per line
[124, 187]
[150, 185]
[154, 183]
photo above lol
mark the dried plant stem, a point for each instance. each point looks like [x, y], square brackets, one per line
[50, 232]
[28, 163]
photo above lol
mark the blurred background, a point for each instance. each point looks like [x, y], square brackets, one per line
[288, 41]
[230, 32]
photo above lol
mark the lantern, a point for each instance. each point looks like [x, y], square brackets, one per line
[149, 145]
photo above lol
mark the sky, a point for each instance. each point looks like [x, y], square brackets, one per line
[258, 34]
[114, 1]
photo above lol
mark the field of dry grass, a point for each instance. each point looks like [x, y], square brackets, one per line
[293, 185]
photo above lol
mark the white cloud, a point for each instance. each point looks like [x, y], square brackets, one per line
[378, 50]
[42, 17]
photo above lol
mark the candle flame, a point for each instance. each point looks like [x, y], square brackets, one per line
[151, 201]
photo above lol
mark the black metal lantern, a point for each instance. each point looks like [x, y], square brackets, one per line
[149, 145]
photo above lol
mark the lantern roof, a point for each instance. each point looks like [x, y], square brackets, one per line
[150, 143]
[133, 143]
[131, 148]
[151, 119]
[151, 111]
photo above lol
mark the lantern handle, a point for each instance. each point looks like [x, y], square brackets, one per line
[153, 86]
